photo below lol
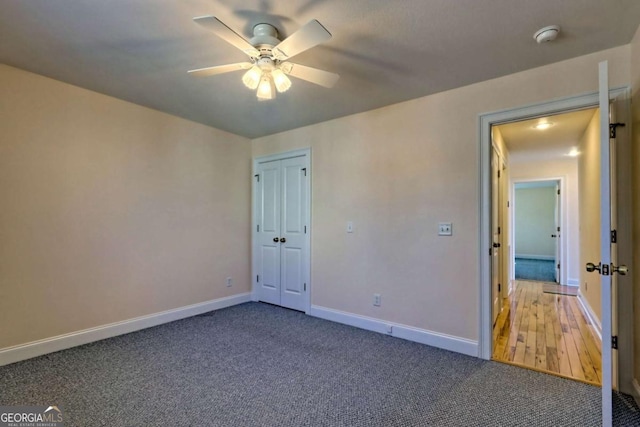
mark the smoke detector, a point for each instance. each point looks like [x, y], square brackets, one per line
[547, 34]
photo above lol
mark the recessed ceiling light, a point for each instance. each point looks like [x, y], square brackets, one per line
[543, 125]
[573, 153]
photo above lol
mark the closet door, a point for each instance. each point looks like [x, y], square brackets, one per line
[292, 226]
[268, 207]
[281, 252]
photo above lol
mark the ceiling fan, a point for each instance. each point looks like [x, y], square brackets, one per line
[268, 65]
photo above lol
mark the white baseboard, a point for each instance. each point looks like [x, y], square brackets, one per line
[573, 282]
[540, 257]
[61, 342]
[591, 314]
[636, 389]
[422, 336]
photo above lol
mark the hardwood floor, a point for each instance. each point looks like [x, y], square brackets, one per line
[547, 332]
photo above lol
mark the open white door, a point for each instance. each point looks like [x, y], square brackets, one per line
[607, 265]
[496, 295]
[556, 232]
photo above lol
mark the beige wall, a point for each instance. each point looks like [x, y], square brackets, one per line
[635, 82]
[111, 211]
[589, 195]
[396, 172]
[568, 170]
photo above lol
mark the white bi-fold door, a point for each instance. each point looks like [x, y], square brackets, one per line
[281, 230]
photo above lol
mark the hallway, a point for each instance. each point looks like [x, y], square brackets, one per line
[547, 332]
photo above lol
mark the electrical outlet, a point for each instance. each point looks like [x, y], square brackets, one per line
[445, 229]
[377, 300]
[229, 282]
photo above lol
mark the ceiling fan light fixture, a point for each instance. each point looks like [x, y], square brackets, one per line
[281, 81]
[251, 78]
[266, 89]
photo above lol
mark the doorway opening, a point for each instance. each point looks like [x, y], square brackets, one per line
[546, 321]
[536, 230]
[616, 301]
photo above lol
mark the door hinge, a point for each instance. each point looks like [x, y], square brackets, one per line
[614, 342]
[257, 177]
[498, 230]
[604, 270]
[305, 287]
[614, 236]
[558, 266]
[507, 203]
[613, 127]
[305, 229]
[499, 287]
[305, 171]
[258, 228]
[558, 192]
[558, 228]
[258, 278]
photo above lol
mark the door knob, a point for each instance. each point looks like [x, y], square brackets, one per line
[496, 245]
[282, 240]
[591, 267]
[621, 269]
[554, 235]
[275, 239]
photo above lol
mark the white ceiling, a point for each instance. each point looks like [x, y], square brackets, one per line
[385, 51]
[526, 143]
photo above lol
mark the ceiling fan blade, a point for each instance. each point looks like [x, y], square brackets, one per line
[310, 35]
[227, 34]
[212, 71]
[313, 75]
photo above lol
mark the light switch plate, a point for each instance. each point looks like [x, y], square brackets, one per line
[445, 229]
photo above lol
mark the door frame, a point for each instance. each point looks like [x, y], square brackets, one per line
[625, 293]
[564, 224]
[304, 152]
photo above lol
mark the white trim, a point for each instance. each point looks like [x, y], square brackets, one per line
[573, 282]
[597, 326]
[636, 389]
[409, 333]
[485, 121]
[538, 257]
[85, 336]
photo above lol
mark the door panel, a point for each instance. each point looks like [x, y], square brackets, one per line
[605, 244]
[556, 232]
[293, 219]
[268, 218]
[292, 278]
[292, 189]
[495, 224]
[270, 176]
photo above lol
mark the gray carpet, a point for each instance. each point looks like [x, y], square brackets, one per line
[259, 365]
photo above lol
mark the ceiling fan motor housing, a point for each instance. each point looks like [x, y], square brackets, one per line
[264, 35]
